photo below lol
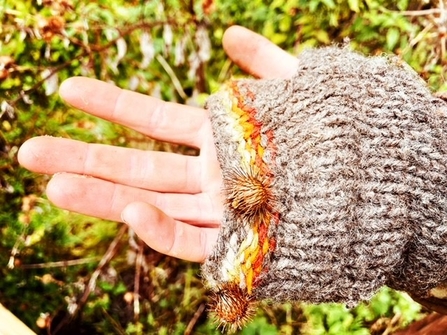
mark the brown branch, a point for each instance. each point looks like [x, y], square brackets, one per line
[110, 253]
[392, 324]
[423, 12]
[136, 290]
[433, 324]
[119, 330]
[40, 82]
[59, 264]
[87, 50]
[194, 319]
[175, 81]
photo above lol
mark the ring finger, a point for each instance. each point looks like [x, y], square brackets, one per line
[106, 200]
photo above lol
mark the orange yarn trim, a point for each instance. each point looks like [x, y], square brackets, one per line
[252, 254]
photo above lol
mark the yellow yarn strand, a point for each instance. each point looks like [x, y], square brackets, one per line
[251, 152]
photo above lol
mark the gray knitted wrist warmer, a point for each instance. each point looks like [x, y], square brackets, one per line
[335, 181]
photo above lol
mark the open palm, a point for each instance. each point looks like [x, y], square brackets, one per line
[173, 202]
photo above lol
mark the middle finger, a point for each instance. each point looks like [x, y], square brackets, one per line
[151, 170]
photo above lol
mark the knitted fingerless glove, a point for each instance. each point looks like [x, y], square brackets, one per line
[335, 184]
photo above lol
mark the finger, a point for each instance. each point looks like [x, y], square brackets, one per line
[168, 236]
[157, 171]
[165, 121]
[256, 55]
[106, 200]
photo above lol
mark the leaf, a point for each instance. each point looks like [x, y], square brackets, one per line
[277, 4]
[354, 5]
[179, 51]
[268, 30]
[259, 325]
[322, 36]
[168, 36]
[329, 3]
[121, 46]
[203, 41]
[285, 23]
[402, 4]
[51, 83]
[392, 38]
[147, 49]
[5, 107]
[278, 38]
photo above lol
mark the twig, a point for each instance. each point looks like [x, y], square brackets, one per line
[418, 37]
[136, 290]
[55, 70]
[87, 50]
[424, 12]
[15, 250]
[115, 324]
[194, 319]
[59, 264]
[110, 253]
[171, 74]
[392, 324]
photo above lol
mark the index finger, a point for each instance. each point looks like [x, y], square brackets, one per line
[258, 56]
[158, 119]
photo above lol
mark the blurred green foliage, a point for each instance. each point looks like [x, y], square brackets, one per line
[66, 273]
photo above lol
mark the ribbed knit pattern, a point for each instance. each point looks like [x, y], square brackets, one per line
[353, 154]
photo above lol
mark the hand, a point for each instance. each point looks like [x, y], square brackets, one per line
[173, 202]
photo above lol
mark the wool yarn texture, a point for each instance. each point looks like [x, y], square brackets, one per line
[335, 183]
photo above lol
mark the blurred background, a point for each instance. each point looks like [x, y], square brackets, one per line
[64, 273]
